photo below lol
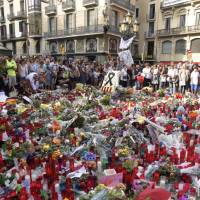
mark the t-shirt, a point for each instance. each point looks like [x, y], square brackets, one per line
[195, 77]
[34, 84]
[147, 73]
[11, 67]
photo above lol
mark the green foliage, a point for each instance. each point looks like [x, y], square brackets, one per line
[105, 100]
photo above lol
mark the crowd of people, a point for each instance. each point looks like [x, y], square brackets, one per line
[30, 75]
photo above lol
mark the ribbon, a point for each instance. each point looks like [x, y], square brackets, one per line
[110, 77]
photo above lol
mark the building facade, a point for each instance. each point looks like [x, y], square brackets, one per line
[169, 30]
[76, 28]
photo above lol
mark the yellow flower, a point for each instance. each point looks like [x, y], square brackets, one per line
[44, 106]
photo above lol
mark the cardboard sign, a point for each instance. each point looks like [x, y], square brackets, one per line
[126, 57]
[111, 82]
[111, 181]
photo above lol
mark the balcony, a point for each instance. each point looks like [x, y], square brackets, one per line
[149, 35]
[3, 38]
[89, 3]
[123, 4]
[21, 15]
[174, 4]
[179, 31]
[51, 10]
[79, 31]
[36, 7]
[68, 6]
[11, 16]
[2, 19]
[151, 18]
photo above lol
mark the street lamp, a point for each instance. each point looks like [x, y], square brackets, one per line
[128, 28]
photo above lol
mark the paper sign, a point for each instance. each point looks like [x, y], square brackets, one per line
[111, 181]
[126, 57]
[111, 82]
[77, 173]
[125, 44]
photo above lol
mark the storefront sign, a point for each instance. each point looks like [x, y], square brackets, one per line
[167, 3]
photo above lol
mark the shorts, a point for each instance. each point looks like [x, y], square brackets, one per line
[194, 87]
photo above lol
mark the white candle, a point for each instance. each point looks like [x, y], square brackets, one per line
[99, 166]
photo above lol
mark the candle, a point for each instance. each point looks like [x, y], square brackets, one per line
[99, 166]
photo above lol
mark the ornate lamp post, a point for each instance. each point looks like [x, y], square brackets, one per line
[128, 28]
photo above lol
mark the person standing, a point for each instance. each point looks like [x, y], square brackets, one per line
[183, 78]
[155, 77]
[11, 68]
[146, 72]
[172, 78]
[124, 77]
[194, 80]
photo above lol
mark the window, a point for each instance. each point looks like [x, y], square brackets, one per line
[34, 4]
[152, 11]
[52, 24]
[2, 12]
[150, 49]
[168, 23]
[182, 20]
[151, 27]
[114, 20]
[90, 17]
[166, 47]
[3, 31]
[137, 12]
[69, 21]
[22, 7]
[12, 30]
[11, 9]
[198, 18]
[37, 47]
[180, 46]
[22, 27]
[195, 46]
[51, 2]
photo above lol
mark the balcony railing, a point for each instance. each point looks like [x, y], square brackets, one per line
[2, 19]
[34, 8]
[149, 35]
[80, 31]
[151, 18]
[68, 5]
[123, 4]
[3, 37]
[51, 10]
[21, 15]
[179, 30]
[11, 16]
[88, 3]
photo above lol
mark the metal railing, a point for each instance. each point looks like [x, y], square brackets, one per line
[151, 18]
[21, 14]
[149, 35]
[3, 37]
[34, 8]
[123, 3]
[51, 9]
[90, 2]
[80, 31]
[10, 16]
[179, 30]
[68, 5]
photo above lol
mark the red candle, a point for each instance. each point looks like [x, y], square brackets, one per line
[71, 164]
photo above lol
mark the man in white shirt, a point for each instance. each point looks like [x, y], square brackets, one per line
[194, 80]
[33, 78]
